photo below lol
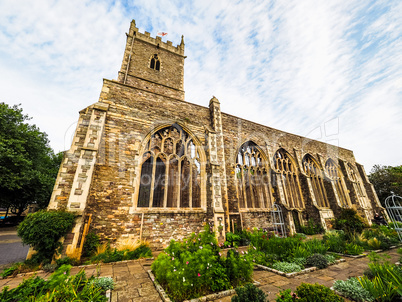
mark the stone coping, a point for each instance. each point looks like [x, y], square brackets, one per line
[290, 275]
[350, 256]
[366, 253]
[210, 297]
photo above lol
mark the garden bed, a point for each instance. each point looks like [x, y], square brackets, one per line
[164, 296]
[85, 266]
[290, 275]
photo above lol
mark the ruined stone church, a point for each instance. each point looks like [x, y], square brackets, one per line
[145, 163]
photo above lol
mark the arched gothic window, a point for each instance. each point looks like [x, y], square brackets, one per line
[336, 176]
[155, 63]
[310, 167]
[252, 178]
[170, 171]
[355, 178]
[287, 176]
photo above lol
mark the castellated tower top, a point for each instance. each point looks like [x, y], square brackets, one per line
[153, 65]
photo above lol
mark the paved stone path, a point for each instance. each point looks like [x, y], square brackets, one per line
[133, 283]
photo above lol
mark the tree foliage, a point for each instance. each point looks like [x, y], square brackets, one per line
[28, 166]
[386, 179]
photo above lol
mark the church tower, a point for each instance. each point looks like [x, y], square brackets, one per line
[152, 65]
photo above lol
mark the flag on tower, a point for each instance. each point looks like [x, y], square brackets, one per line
[162, 34]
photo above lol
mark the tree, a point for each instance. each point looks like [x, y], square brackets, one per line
[386, 179]
[28, 166]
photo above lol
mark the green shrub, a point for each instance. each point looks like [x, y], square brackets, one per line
[315, 247]
[400, 253]
[237, 269]
[66, 261]
[104, 283]
[317, 260]
[353, 249]
[316, 292]
[349, 222]
[330, 258]
[352, 289]
[311, 228]
[287, 267]
[286, 296]
[335, 241]
[249, 293]
[300, 252]
[60, 287]
[90, 245]
[300, 261]
[50, 268]
[196, 267]
[114, 255]
[42, 231]
[18, 268]
[9, 271]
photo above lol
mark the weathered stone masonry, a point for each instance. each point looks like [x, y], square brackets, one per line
[147, 164]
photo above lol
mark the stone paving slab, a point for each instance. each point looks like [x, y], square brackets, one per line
[134, 285]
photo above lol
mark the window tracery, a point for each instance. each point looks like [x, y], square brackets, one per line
[252, 178]
[155, 63]
[354, 177]
[170, 171]
[289, 179]
[335, 175]
[311, 168]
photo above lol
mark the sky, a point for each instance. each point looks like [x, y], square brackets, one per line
[327, 70]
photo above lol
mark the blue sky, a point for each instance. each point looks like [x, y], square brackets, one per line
[328, 70]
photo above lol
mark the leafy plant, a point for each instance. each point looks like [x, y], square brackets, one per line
[349, 222]
[18, 268]
[287, 267]
[104, 283]
[317, 260]
[311, 228]
[384, 281]
[90, 245]
[316, 292]
[300, 261]
[315, 247]
[335, 241]
[60, 287]
[196, 267]
[42, 230]
[49, 267]
[249, 293]
[353, 249]
[66, 261]
[352, 289]
[232, 239]
[330, 258]
[113, 255]
[378, 289]
[286, 296]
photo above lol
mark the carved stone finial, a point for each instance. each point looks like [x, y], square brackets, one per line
[213, 100]
[182, 41]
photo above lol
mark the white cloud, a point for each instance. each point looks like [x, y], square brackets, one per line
[292, 65]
